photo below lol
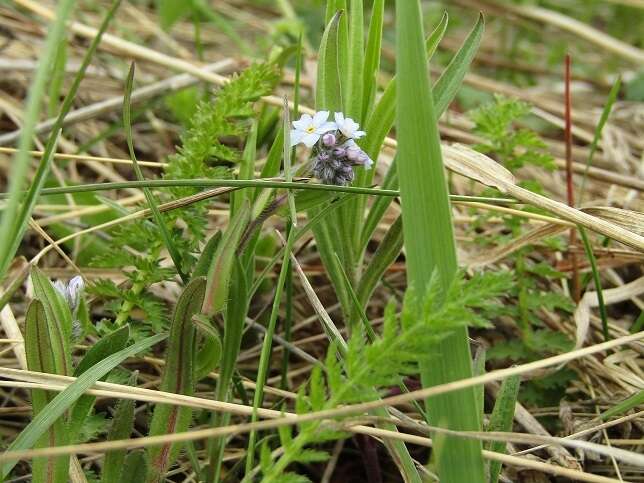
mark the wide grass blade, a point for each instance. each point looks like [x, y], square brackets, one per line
[59, 404]
[429, 242]
[178, 378]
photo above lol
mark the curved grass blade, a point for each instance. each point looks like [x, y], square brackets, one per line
[59, 404]
[152, 203]
[178, 378]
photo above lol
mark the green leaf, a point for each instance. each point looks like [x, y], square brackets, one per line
[207, 255]
[235, 317]
[171, 11]
[59, 320]
[59, 404]
[209, 353]
[41, 358]
[219, 274]
[122, 425]
[328, 94]
[135, 467]
[501, 420]
[429, 241]
[108, 345]
[372, 58]
[355, 70]
[385, 255]
[178, 378]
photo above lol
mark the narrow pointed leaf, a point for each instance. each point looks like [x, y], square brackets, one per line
[501, 420]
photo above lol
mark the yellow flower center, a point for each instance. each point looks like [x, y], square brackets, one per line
[310, 129]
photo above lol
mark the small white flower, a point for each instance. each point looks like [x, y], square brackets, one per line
[348, 126]
[307, 130]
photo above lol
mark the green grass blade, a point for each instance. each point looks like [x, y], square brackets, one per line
[121, 428]
[236, 183]
[501, 420]
[627, 404]
[265, 356]
[233, 331]
[450, 81]
[328, 95]
[152, 203]
[57, 78]
[13, 227]
[372, 58]
[355, 71]
[41, 358]
[612, 97]
[429, 241]
[385, 255]
[443, 93]
[178, 378]
[59, 404]
[135, 467]
[598, 283]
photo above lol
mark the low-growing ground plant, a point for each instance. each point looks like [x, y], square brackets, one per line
[294, 282]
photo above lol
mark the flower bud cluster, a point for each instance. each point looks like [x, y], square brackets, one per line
[335, 151]
[71, 294]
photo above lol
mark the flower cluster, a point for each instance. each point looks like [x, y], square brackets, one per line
[335, 151]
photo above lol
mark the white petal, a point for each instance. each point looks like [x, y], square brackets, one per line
[326, 127]
[358, 134]
[320, 118]
[303, 122]
[339, 118]
[296, 136]
[310, 139]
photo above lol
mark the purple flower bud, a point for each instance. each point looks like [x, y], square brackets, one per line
[340, 152]
[353, 154]
[329, 139]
